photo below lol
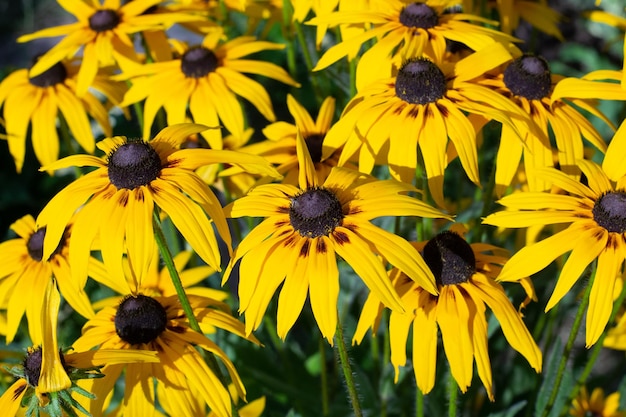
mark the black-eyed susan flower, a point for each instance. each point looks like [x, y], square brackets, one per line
[596, 404]
[421, 27]
[423, 107]
[47, 378]
[596, 230]
[159, 324]
[41, 100]
[280, 148]
[528, 82]
[25, 274]
[207, 79]
[116, 201]
[467, 279]
[104, 31]
[306, 227]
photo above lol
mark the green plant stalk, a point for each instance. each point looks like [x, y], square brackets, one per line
[594, 354]
[184, 300]
[287, 35]
[308, 60]
[453, 392]
[347, 370]
[324, 376]
[419, 402]
[568, 347]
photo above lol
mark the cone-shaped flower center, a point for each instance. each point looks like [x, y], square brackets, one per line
[420, 81]
[133, 164]
[56, 74]
[450, 258]
[197, 62]
[32, 366]
[528, 76]
[314, 145]
[103, 20]
[419, 15]
[140, 319]
[35, 245]
[315, 212]
[610, 212]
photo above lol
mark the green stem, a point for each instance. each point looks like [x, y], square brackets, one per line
[347, 370]
[568, 347]
[324, 376]
[308, 60]
[166, 255]
[453, 391]
[594, 354]
[419, 402]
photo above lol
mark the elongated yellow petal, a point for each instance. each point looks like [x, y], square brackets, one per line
[324, 286]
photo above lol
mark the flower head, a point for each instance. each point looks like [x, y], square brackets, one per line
[306, 227]
[466, 277]
[596, 404]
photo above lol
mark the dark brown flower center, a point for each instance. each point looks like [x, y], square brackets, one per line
[420, 81]
[140, 319]
[419, 15]
[133, 164]
[315, 212]
[198, 61]
[56, 74]
[529, 76]
[103, 20]
[35, 245]
[610, 212]
[314, 145]
[450, 258]
[32, 366]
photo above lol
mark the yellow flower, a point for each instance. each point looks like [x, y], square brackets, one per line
[41, 100]
[306, 227]
[467, 280]
[596, 230]
[596, 405]
[116, 201]
[103, 30]
[207, 78]
[423, 106]
[616, 21]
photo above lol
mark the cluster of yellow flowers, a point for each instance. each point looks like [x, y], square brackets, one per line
[414, 100]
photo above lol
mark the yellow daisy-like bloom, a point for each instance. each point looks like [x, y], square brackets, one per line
[467, 281]
[116, 201]
[422, 106]
[528, 82]
[306, 227]
[596, 405]
[421, 27]
[40, 100]
[159, 324]
[597, 230]
[616, 21]
[103, 30]
[280, 148]
[207, 78]
[25, 273]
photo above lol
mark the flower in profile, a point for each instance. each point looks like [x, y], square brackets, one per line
[422, 107]
[116, 201]
[104, 32]
[25, 274]
[306, 227]
[596, 230]
[41, 100]
[467, 279]
[528, 82]
[159, 324]
[48, 377]
[280, 148]
[596, 405]
[206, 78]
[421, 27]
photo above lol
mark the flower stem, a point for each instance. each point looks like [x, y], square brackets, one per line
[568, 347]
[452, 396]
[419, 402]
[347, 370]
[324, 376]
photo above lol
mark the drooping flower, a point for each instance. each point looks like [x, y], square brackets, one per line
[467, 279]
[207, 78]
[306, 227]
[595, 215]
[42, 100]
[116, 201]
